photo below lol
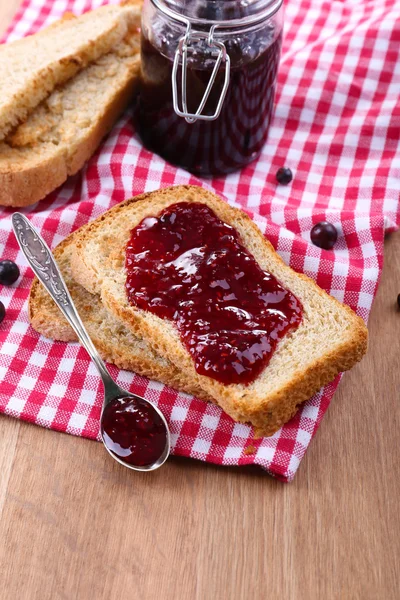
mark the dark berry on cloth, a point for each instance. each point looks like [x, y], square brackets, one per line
[284, 175]
[324, 235]
[9, 272]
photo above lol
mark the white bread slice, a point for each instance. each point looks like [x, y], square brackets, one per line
[32, 67]
[330, 339]
[115, 343]
[65, 129]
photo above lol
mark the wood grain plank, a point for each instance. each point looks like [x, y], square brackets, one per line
[9, 429]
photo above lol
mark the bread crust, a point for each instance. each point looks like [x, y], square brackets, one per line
[24, 187]
[266, 411]
[63, 62]
[29, 171]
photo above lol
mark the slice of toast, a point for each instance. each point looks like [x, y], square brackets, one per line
[331, 337]
[65, 129]
[31, 68]
[115, 343]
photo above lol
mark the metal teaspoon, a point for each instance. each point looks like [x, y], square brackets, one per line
[119, 406]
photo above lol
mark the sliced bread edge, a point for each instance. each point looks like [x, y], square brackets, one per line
[23, 91]
[28, 173]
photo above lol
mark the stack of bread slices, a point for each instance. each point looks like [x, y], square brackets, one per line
[62, 89]
[330, 338]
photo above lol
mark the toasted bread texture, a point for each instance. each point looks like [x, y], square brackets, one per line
[331, 337]
[65, 129]
[31, 68]
[115, 343]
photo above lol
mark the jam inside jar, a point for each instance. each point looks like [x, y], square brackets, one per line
[251, 34]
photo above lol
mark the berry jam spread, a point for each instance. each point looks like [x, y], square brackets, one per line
[134, 431]
[188, 266]
[237, 136]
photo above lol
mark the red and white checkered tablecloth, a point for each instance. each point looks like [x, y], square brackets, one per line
[336, 125]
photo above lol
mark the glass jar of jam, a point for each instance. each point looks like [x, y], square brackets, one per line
[209, 72]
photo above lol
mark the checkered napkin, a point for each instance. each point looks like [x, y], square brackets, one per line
[336, 125]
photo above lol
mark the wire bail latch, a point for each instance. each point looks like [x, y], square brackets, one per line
[222, 59]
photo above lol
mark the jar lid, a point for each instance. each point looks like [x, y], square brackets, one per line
[221, 13]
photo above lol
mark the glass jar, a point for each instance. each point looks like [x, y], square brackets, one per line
[209, 72]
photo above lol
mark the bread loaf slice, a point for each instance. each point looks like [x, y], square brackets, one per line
[32, 67]
[331, 337]
[115, 343]
[65, 129]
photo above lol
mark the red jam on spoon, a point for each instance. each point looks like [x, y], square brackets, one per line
[186, 265]
[133, 431]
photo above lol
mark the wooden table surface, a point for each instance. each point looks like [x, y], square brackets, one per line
[76, 525]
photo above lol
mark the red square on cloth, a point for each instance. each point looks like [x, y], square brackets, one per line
[336, 125]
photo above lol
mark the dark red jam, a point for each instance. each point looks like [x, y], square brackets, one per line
[188, 266]
[134, 431]
[237, 136]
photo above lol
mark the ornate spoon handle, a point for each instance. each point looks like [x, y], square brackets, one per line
[46, 270]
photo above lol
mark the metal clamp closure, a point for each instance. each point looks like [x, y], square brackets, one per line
[221, 59]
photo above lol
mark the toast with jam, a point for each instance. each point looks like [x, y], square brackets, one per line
[115, 343]
[199, 282]
[83, 75]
